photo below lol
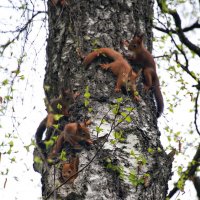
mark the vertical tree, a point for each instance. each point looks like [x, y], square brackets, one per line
[129, 163]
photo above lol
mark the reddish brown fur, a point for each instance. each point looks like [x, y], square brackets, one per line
[69, 169]
[73, 134]
[119, 67]
[59, 105]
[143, 58]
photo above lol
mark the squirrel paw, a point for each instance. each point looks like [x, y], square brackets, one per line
[104, 66]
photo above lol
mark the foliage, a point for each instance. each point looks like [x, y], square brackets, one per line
[176, 24]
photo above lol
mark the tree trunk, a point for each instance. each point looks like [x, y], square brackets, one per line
[128, 166]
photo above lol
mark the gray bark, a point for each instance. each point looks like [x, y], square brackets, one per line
[90, 24]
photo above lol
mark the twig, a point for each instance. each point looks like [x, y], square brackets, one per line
[179, 30]
[196, 113]
[195, 163]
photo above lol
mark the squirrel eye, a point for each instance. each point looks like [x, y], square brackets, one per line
[134, 45]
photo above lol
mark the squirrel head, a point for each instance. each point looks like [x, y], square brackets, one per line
[83, 131]
[136, 43]
[69, 169]
[131, 78]
[79, 131]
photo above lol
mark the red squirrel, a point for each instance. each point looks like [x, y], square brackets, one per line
[119, 67]
[142, 58]
[74, 134]
[69, 169]
[56, 106]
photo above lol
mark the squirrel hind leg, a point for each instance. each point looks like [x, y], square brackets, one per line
[118, 85]
[148, 76]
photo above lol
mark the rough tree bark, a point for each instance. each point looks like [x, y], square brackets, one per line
[89, 24]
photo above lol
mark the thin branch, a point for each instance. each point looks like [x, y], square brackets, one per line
[196, 113]
[179, 30]
[162, 56]
[186, 29]
[20, 30]
[192, 168]
[184, 67]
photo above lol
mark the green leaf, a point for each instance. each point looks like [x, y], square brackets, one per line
[159, 149]
[37, 160]
[113, 142]
[27, 148]
[123, 114]
[115, 111]
[117, 135]
[90, 110]
[180, 170]
[13, 159]
[132, 153]
[129, 109]
[128, 119]
[59, 106]
[22, 77]
[8, 98]
[103, 121]
[5, 82]
[119, 100]
[87, 95]
[150, 150]
[86, 102]
[57, 116]
[120, 120]
[11, 144]
[63, 156]
[98, 129]
[49, 143]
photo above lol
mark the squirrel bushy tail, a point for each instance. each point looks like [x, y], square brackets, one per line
[39, 133]
[107, 51]
[158, 97]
